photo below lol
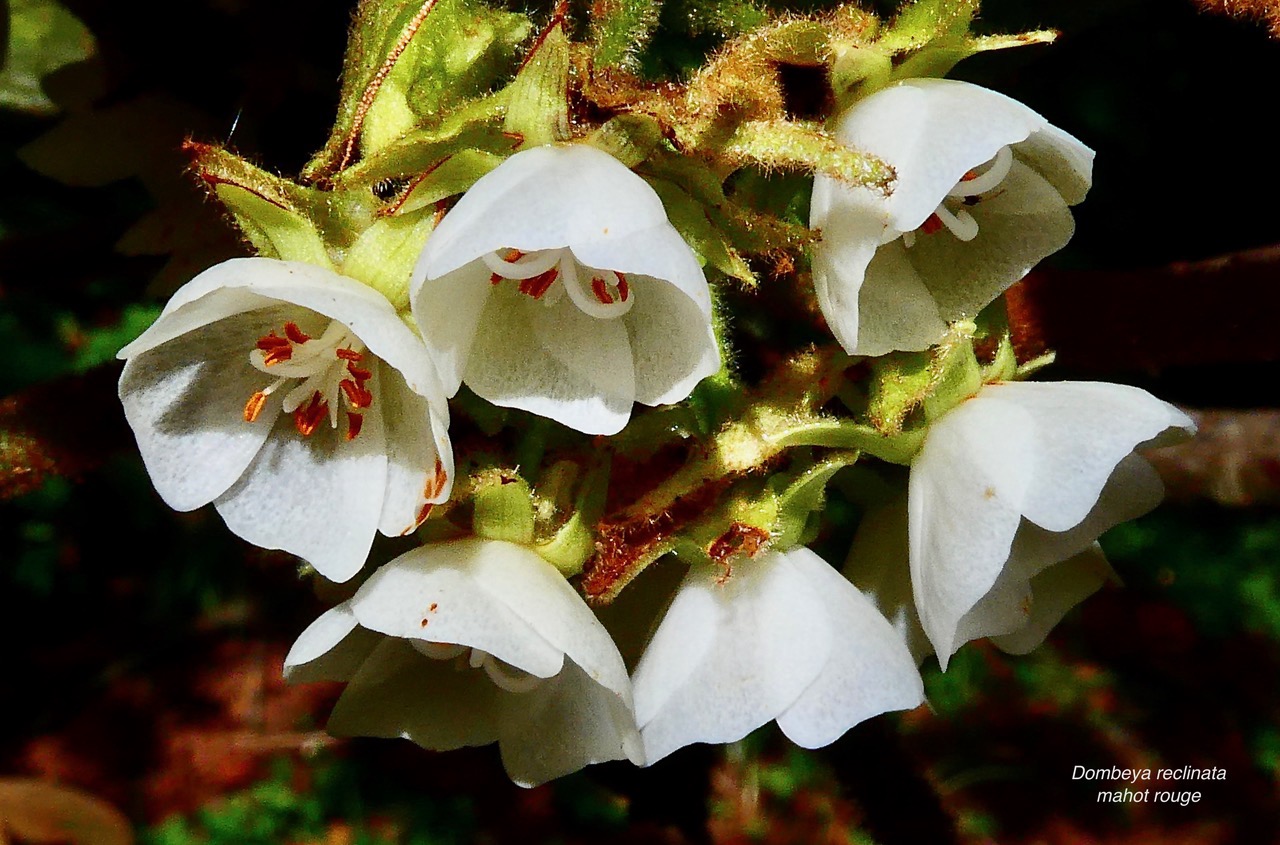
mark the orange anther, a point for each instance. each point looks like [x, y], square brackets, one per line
[624, 289]
[931, 224]
[308, 416]
[969, 177]
[253, 407]
[348, 354]
[359, 374]
[601, 292]
[494, 278]
[295, 334]
[357, 395]
[539, 284]
[354, 421]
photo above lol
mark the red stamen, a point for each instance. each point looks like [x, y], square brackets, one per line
[348, 354]
[932, 223]
[307, 417]
[295, 334]
[275, 349]
[539, 284]
[354, 421]
[601, 292]
[359, 374]
[624, 289]
[253, 407]
[357, 395]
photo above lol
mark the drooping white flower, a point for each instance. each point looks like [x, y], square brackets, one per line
[470, 642]
[784, 637]
[982, 194]
[1005, 500]
[296, 401]
[556, 285]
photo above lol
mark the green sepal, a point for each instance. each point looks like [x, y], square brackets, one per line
[455, 175]
[630, 138]
[801, 497]
[409, 61]
[265, 208]
[693, 221]
[538, 98]
[957, 374]
[925, 21]
[900, 382]
[477, 127]
[503, 507]
[384, 255]
[574, 542]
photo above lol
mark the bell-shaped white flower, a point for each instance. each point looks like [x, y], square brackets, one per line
[982, 194]
[1005, 500]
[470, 642]
[784, 637]
[296, 401]
[557, 285]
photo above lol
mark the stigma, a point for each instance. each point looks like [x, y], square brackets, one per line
[549, 275]
[969, 191]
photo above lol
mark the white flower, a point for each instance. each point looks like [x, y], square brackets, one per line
[1004, 503]
[982, 195]
[784, 637]
[470, 642]
[298, 402]
[556, 285]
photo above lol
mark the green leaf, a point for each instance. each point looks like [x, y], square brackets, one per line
[42, 37]
[538, 110]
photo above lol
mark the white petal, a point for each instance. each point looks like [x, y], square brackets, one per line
[851, 228]
[332, 648]
[1082, 431]
[400, 693]
[445, 585]
[563, 724]
[413, 449]
[933, 131]
[869, 670]
[1060, 158]
[966, 492]
[1054, 592]
[536, 592]
[317, 497]
[1025, 221]
[878, 566]
[447, 311]
[184, 400]
[550, 198]
[771, 640]
[673, 345]
[553, 361]
[897, 309]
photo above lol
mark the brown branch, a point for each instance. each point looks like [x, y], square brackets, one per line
[1234, 459]
[1218, 311]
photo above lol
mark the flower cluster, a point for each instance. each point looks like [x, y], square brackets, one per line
[310, 401]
